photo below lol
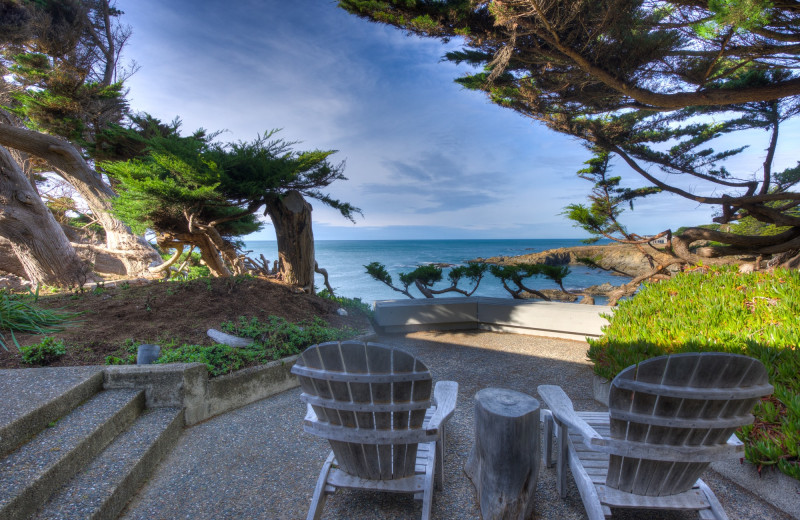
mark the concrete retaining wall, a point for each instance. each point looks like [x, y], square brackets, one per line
[187, 385]
[560, 320]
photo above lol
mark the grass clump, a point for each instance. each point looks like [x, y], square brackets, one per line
[44, 352]
[19, 316]
[721, 310]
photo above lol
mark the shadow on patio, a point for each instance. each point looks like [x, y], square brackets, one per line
[256, 462]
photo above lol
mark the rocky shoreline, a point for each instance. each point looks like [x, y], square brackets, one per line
[623, 259]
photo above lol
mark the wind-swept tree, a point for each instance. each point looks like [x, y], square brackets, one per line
[194, 192]
[61, 84]
[634, 78]
[424, 277]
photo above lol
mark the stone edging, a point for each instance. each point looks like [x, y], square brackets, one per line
[187, 385]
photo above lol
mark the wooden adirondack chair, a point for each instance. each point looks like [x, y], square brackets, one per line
[373, 404]
[669, 418]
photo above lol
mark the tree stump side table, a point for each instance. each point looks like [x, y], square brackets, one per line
[504, 462]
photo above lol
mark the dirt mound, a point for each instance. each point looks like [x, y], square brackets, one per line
[179, 312]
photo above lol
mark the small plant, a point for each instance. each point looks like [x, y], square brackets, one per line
[280, 338]
[125, 286]
[44, 352]
[220, 359]
[125, 360]
[17, 315]
[347, 303]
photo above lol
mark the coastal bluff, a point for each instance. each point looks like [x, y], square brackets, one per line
[623, 259]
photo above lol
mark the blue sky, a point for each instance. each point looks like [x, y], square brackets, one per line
[424, 157]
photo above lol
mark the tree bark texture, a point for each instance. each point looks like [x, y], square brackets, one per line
[291, 217]
[37, 240]
[504, 462]
[134, 251]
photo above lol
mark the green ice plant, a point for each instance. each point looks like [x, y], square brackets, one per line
[719, 309]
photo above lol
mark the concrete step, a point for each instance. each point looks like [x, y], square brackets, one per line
[35, 397]
[30, 474]
[106, 485]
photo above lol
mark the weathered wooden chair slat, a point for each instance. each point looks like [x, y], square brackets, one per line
[373, 404]
[669, 417]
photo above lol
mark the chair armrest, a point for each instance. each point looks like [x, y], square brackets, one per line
[445, 394]
[561, 407]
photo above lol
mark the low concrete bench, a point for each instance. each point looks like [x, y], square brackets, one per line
[558, 320]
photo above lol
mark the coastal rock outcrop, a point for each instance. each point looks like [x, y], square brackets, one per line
[623, 259]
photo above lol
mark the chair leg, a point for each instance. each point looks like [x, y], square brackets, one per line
[320, 495]
[716, 508]
[439, 462]
[547, 419]
[427, 495]
[562, 461]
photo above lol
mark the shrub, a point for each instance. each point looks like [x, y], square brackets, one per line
[220, 359]
[347, 303]
[280, 338]
[722, 310]
[44, 352]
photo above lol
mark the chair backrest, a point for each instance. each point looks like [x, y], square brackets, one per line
[695, 401]
[368, 399]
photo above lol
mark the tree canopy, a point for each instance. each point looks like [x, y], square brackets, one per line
[652, 82]
[194, 191]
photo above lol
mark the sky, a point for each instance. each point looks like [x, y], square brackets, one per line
[424, 158]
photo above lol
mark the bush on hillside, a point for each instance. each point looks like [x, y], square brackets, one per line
[721, 310]
[274, 338]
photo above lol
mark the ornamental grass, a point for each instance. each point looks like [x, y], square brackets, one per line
[19, 316]
[718, 309]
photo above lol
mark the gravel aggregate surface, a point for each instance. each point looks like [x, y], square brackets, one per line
[26, 390]
[256, 462]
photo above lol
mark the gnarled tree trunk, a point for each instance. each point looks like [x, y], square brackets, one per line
[34, 236]
[291, 217]
[134, 251]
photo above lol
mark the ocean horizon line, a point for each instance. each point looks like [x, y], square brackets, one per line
[599, 242]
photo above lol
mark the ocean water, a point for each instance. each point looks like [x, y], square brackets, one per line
[345, 261]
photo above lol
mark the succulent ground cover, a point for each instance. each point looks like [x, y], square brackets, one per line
[719, 309]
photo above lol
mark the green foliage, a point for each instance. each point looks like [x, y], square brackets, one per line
[347, 303]
[17, 315]
[220, 359]
[279, 338]
[720, 310]
[378, 271]
[517, 273]
[274, 339]
[427, 275]
[44, 352]
[738, 15]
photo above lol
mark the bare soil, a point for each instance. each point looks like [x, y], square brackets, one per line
[163, 312]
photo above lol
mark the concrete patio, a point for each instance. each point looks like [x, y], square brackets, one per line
[256, 461]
